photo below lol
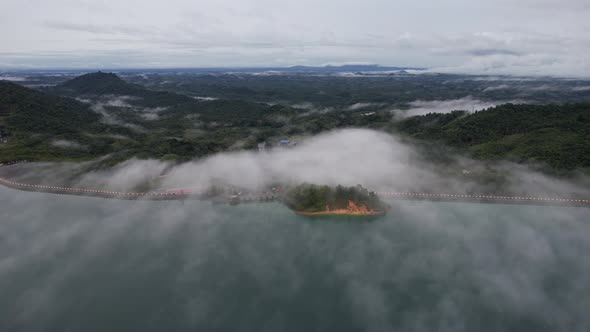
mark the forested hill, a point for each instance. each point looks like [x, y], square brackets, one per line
[166, 125]
[101, 84]
[555, 134]
[37, 126]
[23, 110]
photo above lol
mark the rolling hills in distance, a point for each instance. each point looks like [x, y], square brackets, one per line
[100, 114]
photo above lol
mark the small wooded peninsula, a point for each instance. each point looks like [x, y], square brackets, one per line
[321, 200]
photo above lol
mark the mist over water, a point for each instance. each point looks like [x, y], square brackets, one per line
[71, 263]
[374, 159]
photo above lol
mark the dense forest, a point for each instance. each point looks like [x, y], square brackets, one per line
[31, 120]
[342, 89]
[102, 115]
[100, 84]
[555, 134]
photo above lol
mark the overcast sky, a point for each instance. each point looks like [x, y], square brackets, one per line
[543, 37]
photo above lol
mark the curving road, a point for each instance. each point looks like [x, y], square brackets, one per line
[94, 192]
[190, 193]
[181, 194]
[501, 199]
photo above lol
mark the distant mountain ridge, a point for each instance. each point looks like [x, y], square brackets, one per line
[348, 68]
[167, 125]
[101, 84]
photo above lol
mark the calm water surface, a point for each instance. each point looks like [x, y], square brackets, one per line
[84, 264]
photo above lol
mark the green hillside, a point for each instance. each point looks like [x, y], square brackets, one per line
[40, 126]
[101, 84]
[32, 121]
[558, 135]
[26, 110]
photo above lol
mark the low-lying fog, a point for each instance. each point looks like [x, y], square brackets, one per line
[469, 104]
[70, 263]
[354, 156]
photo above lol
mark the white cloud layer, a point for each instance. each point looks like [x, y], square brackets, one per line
[422, 107]
[546, 37]
[353, 156]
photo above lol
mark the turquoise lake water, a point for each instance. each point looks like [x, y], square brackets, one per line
[84, 264]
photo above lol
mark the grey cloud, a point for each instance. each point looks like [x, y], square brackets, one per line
[96, 28]
[486, 52]
[528, 37]
[582, 88]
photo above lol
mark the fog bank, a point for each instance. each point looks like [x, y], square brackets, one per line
[349, 157]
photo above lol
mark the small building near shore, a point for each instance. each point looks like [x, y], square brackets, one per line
[287, 143]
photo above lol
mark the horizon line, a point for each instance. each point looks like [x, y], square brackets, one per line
[267, 67]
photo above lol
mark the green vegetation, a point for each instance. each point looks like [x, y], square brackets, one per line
[558, 135]
[31, 121]
[334, 90]
[34, 121]
[316, 198]
[100, 84]
[171, 126]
